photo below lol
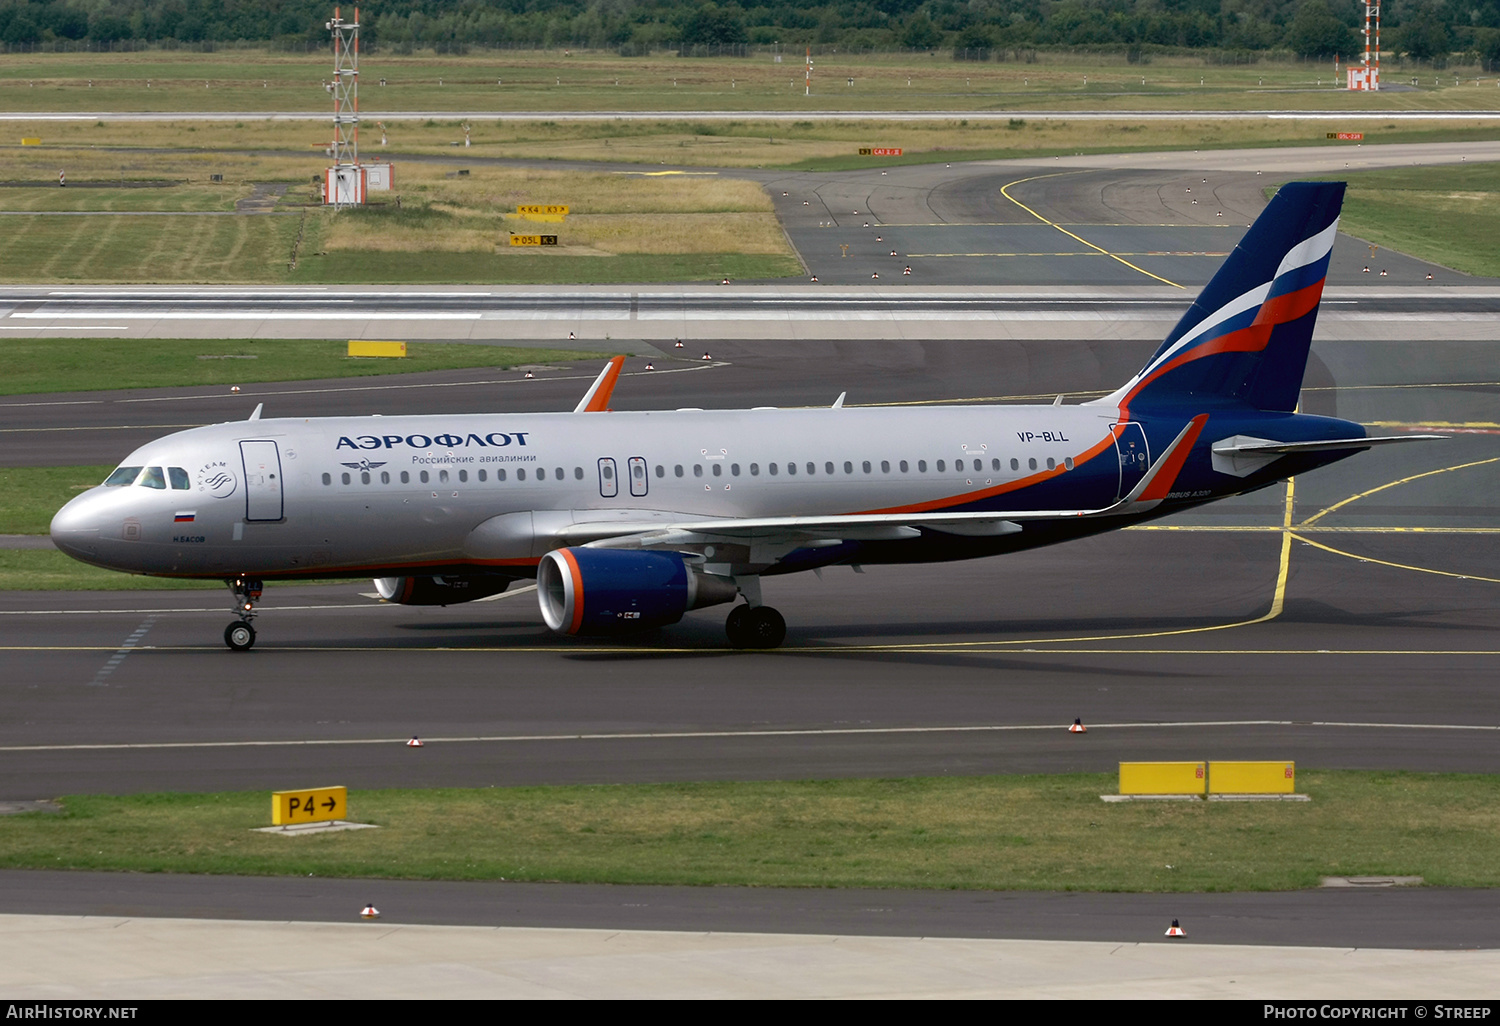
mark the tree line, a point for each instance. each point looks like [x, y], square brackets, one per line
[1424, 30]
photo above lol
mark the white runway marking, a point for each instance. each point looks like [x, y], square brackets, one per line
[688, 735]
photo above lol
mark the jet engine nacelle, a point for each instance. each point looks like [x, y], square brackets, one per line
[607, 591]
[438, 591]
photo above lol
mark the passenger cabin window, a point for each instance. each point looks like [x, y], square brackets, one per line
[463, 475]
[1031, 463]
[661, 471]
[791, 468]
[179, 478]
[423, 477]
[364, 477]
[152, 477]
[941, 466]
[697, 470]
[385, 476]
[1015, 464]
[828, 468]
[520, 474]
[483, 476]
[772, 468]
[848, 467]
[922, 466]
[405, 477]
[122, 476]
[327, 479]
[345, 477]
[500, 474]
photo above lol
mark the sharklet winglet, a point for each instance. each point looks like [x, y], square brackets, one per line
[596, 399]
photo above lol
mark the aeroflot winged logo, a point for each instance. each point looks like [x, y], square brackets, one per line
[365, 465]
[216, 479]
[494, 439]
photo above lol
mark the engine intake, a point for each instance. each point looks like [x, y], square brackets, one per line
[438, 591]
[608, 591]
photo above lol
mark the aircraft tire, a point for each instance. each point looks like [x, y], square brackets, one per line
[239, 636]
[764, 628]
[734, 626]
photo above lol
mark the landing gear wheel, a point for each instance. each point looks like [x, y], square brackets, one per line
[239, 636]
[734, 626]
[763, 628]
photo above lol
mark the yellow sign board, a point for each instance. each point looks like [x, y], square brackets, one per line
[545, 209]
[1252, 777]
[533, 240]
[1163, 778]
[311, 805]
[376, 348]
[31, 140]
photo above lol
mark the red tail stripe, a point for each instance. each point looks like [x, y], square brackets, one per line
[1161, 485]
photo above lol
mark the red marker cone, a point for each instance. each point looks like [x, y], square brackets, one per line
[651, 366]
[530, 375]
[678, 345]
[415, 742]
[1078, 727]
[908, 269]
[815, 277]
[234, 388]
[369, 912]
[707, 357]
[571, 336]
[875, 275]
[1175, 931]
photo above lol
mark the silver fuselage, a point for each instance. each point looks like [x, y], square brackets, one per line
[353, 496]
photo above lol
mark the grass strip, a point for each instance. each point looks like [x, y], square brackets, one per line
[50, 570]
[1448, 215]
[30, 495]
[999, 832]
[97, 364]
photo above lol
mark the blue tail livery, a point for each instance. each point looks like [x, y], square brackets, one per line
[1244, 342]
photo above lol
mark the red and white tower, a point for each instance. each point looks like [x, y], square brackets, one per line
[1367, 75]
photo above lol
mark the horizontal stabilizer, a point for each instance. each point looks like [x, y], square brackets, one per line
[1323, 445]
[1243, 455]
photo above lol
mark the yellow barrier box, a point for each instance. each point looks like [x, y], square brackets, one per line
[30, 140]
[310, 805]
[376, 348]
[1252, 777]
[1163, 778]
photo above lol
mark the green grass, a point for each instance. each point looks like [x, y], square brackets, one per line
[30, 495]
[50, 570]
[247, 80]
[81, 365]
[1448, 215]
[1014, 832]
[542, 268]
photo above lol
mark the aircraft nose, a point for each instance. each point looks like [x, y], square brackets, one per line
[75, 528]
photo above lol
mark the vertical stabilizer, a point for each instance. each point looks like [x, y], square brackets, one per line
[1245, 340]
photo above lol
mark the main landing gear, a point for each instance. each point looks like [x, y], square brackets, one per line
[755, 627]
[240, 635]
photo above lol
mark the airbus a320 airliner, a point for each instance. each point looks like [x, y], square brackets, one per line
[628, 520]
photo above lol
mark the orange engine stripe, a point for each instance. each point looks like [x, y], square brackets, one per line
[577, 590]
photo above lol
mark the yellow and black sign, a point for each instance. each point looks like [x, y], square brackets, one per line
[554, 212]
[311, 805]
[533, 240]
[880, 151]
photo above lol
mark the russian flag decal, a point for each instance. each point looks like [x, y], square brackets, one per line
[185, 518]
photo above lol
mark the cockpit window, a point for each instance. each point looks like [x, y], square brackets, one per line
[122, 476]
[153, 478]
[178, 477]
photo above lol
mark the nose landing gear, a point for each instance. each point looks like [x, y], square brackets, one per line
[240, 635]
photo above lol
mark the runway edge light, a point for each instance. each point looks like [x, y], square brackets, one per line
[369, 912]
[1175, 930]
[415, 742]
[1078, 727]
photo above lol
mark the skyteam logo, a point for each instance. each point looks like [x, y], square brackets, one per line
[216, 479]
[365, 465]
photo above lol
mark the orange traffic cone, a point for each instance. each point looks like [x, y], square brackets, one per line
[1078, 727]
[369, 912]
[415, 742]
[1175, 931]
